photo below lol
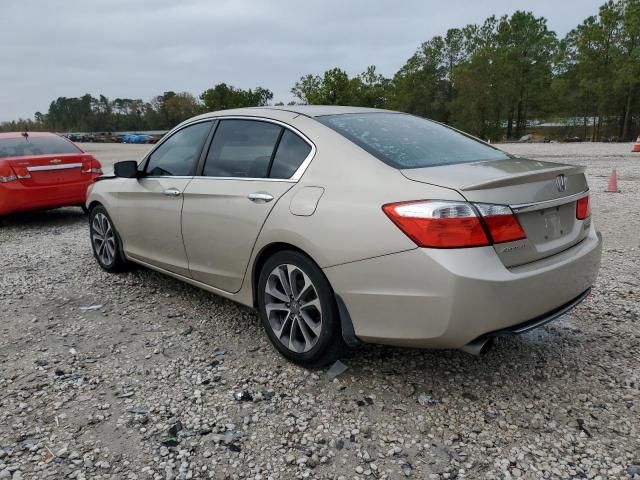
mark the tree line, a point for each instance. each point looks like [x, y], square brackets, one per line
[492, 79]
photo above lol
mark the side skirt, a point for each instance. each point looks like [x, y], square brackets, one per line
[191, 281]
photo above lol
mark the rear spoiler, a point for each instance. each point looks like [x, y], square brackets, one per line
[518, 178]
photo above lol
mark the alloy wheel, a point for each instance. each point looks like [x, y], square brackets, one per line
[103, 238]
[293, 308]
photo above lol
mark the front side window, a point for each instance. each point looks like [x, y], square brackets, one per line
[32, 145]
[404, 141]
[291, 152]
[242, 148]
[178, 155]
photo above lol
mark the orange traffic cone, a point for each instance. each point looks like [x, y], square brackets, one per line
[636, 147]
[612, 184]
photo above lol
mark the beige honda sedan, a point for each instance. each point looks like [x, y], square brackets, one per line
[343, 225]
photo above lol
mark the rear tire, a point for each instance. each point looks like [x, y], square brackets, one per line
[298, 310]
[105, 241]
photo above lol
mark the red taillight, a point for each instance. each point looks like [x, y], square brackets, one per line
[446, 224]
[438, 224]
[91, 165]
[583, 208]
[502, 224]
[21, 172]
[6, 174]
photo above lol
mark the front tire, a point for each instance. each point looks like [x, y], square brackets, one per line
[105, 242]
[298, 310]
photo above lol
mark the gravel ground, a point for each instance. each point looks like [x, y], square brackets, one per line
[161, 380]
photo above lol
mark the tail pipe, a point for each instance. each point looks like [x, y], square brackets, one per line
[478, 346]
[483, 343]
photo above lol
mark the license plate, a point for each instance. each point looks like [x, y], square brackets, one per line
[552, 225]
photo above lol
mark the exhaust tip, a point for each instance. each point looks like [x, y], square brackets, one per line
[479, 346]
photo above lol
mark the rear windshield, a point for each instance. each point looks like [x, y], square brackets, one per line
[21, 147]
[404, 141]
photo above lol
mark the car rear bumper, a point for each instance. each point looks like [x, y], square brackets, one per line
[448, 298]
[15, 197]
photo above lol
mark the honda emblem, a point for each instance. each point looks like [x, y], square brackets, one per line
[561, 183]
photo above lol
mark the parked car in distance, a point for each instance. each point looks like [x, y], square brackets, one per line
[77, 137]
[43, 170]
[343, 225]
[101, 137]
[138, 138]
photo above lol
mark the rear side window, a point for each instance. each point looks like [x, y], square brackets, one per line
[178, 155]
[404, 141]
[242, 148]
[22, 147]
[291, 152]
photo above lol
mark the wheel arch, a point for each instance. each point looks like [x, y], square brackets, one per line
[346, 324]
[94, 204]
[262, 256]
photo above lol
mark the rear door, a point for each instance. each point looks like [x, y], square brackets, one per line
[149, 207]
[250, 164]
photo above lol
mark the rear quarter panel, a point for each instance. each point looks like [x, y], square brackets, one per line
[348, 223]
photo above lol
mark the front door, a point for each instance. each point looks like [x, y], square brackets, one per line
[149, 208]
[247, 169]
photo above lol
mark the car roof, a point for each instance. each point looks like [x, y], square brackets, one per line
[31, 134]
[322, 110]
[306, 110]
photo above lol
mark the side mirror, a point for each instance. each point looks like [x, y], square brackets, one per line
[126, 169]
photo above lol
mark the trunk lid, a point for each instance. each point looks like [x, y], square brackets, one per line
[543, 196]
[51, 169]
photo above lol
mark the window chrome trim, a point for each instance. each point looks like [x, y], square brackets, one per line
[301, 169]
[65, 166]
[248, 179]
[528, 207]
[166, 137]
[182, 177]
[292, 179]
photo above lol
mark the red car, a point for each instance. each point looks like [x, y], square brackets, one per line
[41, 170]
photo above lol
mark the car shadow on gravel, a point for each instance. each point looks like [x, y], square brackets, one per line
[535, 358]
[43, 218]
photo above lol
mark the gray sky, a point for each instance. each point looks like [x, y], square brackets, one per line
[141, 48]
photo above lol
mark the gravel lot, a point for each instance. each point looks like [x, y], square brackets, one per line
[161, 380]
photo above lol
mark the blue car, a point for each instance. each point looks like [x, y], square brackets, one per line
[137, 138]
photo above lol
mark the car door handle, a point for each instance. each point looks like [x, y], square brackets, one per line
[260, 197]
[172, 192]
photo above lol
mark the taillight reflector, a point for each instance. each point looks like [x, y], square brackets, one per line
[501, 222]
[447, 224]
[6, 174]
[21, 172]
[8, 178]
[91, 166]
[583, 208]
[438, 224]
